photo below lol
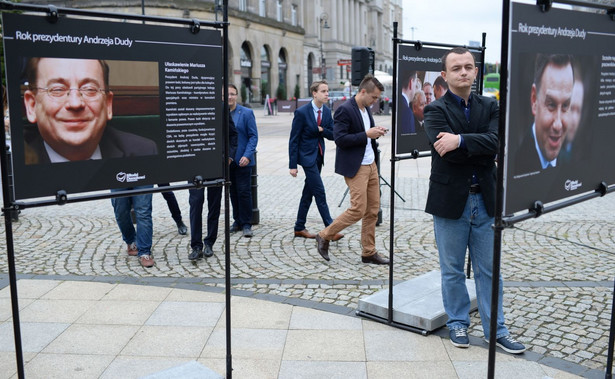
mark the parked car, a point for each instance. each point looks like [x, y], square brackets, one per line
[337, 95]
[491, 92]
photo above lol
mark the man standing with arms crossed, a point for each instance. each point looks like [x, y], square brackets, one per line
[355, 135]
[462, 128]
[311, 125]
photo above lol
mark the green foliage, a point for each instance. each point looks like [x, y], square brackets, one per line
[297, 91]
[281, 93]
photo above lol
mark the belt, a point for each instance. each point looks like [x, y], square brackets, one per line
[475, 188]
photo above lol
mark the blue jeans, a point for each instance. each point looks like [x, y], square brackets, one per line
[196, 200]
[473, 230]
[241, 194]
[142, 204]
[313, 187]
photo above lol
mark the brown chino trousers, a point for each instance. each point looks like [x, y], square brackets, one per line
[364, 190]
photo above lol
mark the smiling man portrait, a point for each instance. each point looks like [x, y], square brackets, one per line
[68, 103]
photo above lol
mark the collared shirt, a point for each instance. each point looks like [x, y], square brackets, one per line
[544, 163]
[466, 111]
[316, 109]
[55, 157]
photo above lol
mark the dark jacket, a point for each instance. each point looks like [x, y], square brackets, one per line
[305, 137]
[350, 138]
[451, 175]
[113, 144]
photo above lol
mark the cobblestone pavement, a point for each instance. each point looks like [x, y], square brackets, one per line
[558, 268]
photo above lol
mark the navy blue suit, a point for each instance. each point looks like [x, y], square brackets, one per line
[405, 117]
[306, 147]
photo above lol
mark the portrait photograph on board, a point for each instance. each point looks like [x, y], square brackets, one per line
[87, 109]
[99, 105]
[557, 125]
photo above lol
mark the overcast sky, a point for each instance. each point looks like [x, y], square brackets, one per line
[455, 22]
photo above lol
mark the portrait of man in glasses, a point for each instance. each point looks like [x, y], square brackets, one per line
[68, 103]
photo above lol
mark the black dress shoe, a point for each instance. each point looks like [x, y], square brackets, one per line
[247, 231]
[208, 251]
[377, 259]
[234, 228]
[323, 247]
[196, 254]
[182, 228]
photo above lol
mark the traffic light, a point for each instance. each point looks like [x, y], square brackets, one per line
[362, 63]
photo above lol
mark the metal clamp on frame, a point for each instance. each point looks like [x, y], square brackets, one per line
[196, 26]
[415, 153]
[611, 13]
[538, 208]
[53, 15]
[418, 45]
[544, 5]
[61, 197]
[198, 181]
[602, 189]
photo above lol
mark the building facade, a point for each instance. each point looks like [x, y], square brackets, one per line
[277, 48]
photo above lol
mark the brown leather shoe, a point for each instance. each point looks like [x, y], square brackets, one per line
[304, 233]
[132, 250]
[377, 259]
[337, 237]
[146, 260]
[323, 247]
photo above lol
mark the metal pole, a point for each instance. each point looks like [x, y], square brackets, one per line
[392, 207]
[499, 202]
[227, 234]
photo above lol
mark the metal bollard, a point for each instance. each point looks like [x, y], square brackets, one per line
[255, 211]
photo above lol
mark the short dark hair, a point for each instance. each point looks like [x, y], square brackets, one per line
[557, 60]
[316, 84]
[369, 83]
[405, 77]
[440, 82]
[32, 72]
[456, 50]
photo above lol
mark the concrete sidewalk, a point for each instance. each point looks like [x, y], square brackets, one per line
[79, 329]
[88, 310]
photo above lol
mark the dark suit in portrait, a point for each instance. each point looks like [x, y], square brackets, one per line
[306, 147]
[405, 117]
[113, 144]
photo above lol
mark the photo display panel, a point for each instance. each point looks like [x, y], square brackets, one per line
[561, 105]
[415, 69]
[100, 105]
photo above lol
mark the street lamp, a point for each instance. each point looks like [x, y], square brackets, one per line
[324, 17]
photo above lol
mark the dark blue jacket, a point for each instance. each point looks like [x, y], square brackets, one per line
[247, 135]
[350, 138]
[305, 137]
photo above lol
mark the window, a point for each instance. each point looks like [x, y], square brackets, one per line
[279, 13]
[262, 7]
[293, 15]
[243, 6]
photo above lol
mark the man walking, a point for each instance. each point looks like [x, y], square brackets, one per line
[355, 135]
[462, 128]
[311, 125]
